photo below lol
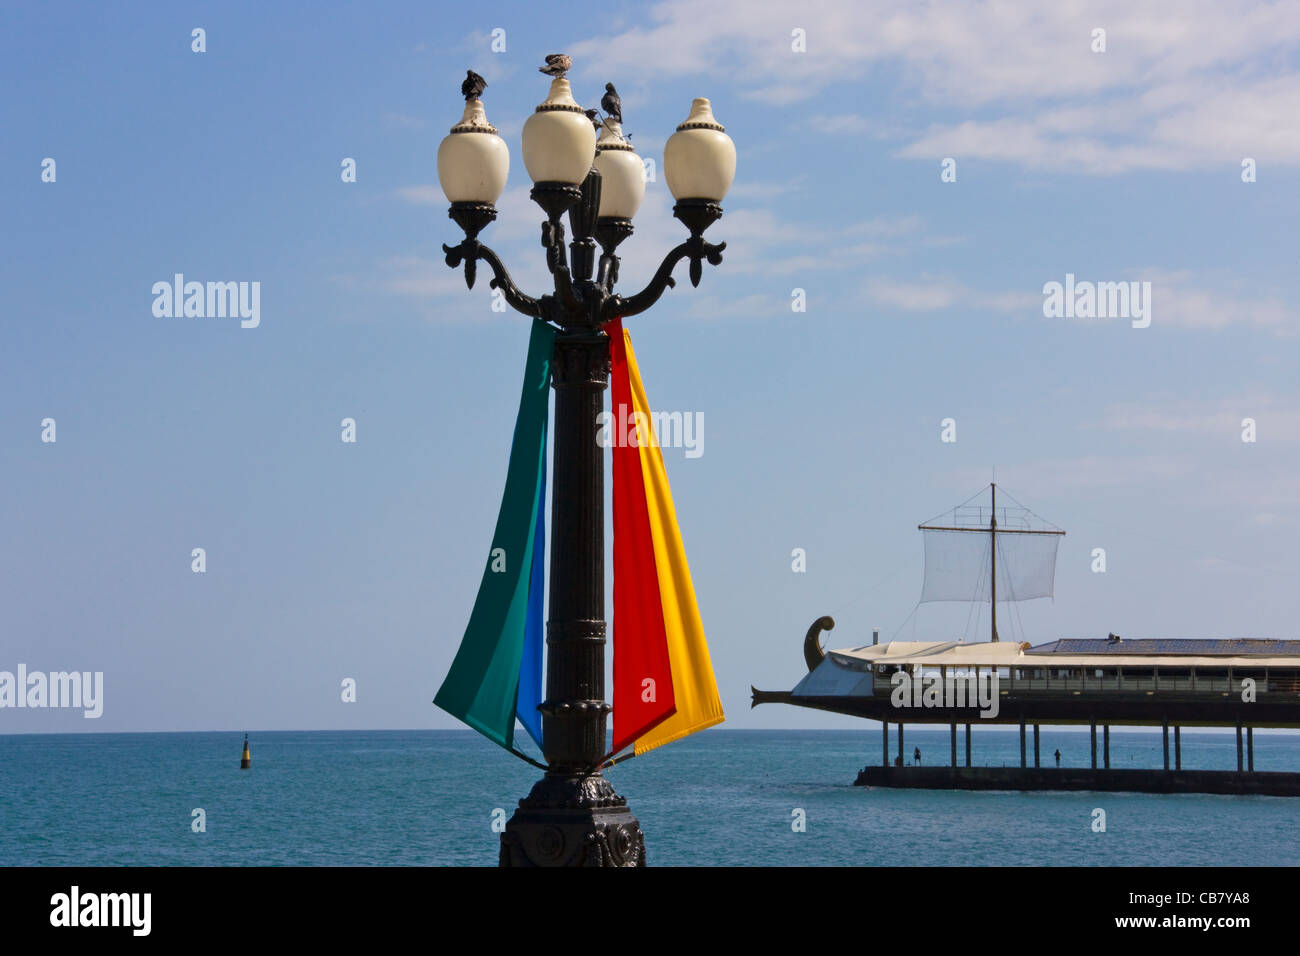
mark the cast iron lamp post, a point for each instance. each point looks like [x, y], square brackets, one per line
[572, 816]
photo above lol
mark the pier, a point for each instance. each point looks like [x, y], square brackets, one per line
[963, 773]
[1275, 784]
[1099, 776]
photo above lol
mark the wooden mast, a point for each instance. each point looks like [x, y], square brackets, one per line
[993, 564]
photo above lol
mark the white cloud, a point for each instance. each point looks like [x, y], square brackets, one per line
[885, 226]
[762, 191]
[1276, 418]
[1176, 300]
[1184, 83]
[422, 195]
[404, 121]
[416, 276]
[1058, 476]
[1223, 494]
[838, 123]
[938, 293]
[1168, 128]
[749, 307]
[759, 241]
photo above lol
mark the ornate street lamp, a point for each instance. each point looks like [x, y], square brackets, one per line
[600, 184]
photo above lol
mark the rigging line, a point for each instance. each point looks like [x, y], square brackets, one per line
[517, 750]
[525, 757]
[1030, 510]
[1015, 602]
[1008, 582]
[970, 611]
[1008, 595]
[954, 508]
[605, 761]
[976, 598]
[1021, 620]
[609, 763]
[1184, 547]
[981, 582]
[1014, 617]
[905, 620]
[868, 592]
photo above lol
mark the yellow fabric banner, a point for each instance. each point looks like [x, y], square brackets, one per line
[694, 686]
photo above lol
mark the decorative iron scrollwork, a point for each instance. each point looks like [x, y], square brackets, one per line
[580, 302]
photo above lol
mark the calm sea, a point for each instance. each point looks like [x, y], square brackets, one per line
[722, 797]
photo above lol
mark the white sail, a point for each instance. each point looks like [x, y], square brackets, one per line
[957, 565]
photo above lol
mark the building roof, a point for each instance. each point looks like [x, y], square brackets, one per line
[1226, 647]
[929, 654]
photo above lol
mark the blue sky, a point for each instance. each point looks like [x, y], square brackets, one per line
[822, 429]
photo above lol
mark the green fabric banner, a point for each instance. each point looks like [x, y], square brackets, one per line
[483, 682]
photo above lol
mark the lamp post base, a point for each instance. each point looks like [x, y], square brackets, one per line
[573, 821]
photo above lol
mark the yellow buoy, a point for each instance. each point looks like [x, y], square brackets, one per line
[246, 761]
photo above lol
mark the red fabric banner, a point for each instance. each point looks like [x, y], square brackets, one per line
[643, 681]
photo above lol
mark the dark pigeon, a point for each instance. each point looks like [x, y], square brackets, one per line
[473, 86]
[594, 116]
[611, 104]
[557, 64]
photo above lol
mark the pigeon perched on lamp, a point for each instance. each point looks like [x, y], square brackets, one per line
[473, 86]
[557, 64]
[611, 103]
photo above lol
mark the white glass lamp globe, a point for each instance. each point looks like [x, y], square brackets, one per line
[473, 161]
[700, 158]
[559, 141]
[622, 175]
